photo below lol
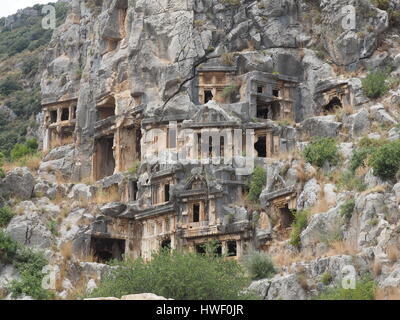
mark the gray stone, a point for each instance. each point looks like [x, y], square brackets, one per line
[18, 183]
[323, 126]
[29, 230]
[113, 209]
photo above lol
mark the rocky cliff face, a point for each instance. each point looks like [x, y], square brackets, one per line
[147, 56]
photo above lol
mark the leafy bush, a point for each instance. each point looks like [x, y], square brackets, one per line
[349, 181]
[385, 160]
[365, 290]
[21, 150]
[29, 265]
[8, 248]
[299, 224]
[358, 158]
[347, 208]
[9, 85]
[326, 278]
[259, 265]
[320, 151]
[374, 84]
[257, 183]
[177, 275]
[6, 214]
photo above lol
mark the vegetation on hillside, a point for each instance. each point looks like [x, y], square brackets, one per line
[29, 264]
[21, 45]
[177, 275]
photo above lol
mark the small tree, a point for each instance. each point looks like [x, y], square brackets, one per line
[257, 183]
[386, 160]
[322, 150]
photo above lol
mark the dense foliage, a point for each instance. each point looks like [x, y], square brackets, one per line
[177, 275]
[257, 183]
[29, 265]
[6, 214]
[22, 150]
[365, 290]
[374, 84]
[259, 265]
[385, 160]
[299, 224]
[21, 45]
[347, 208]
[321, 151]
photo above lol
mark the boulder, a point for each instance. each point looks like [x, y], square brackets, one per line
[29, 230]
[18, 183]
[81, 191]
[113, 209]
[309, 196]
[379, 114]
[346, 45]
[323, 126]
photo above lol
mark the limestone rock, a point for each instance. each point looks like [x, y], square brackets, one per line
[29, 230]
[323, 126]
[346, 45]
[113, 209]
[18, 183]
[309, 195]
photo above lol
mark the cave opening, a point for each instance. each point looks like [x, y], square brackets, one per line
[232, 248]
[287, 216]
[261, 146]
[105, 161]
[333, 104]
[53, 116]
[107, 249]
[208, 96]
[64, 114]
[196, 212]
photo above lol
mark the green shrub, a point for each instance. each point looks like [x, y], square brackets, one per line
[2, 173]
[257, 183]
[326, 278]
[8, 248]
[347, 208]
[176, 275]
[374, 84]
[349, 181]
[30, 265]
[21, 150]
[385, 160]
[9, 85]
[52, 226]
[359, 157]
[6, 214]
[259, 265]
[320, 151]
[299, 224]
[365, 290]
